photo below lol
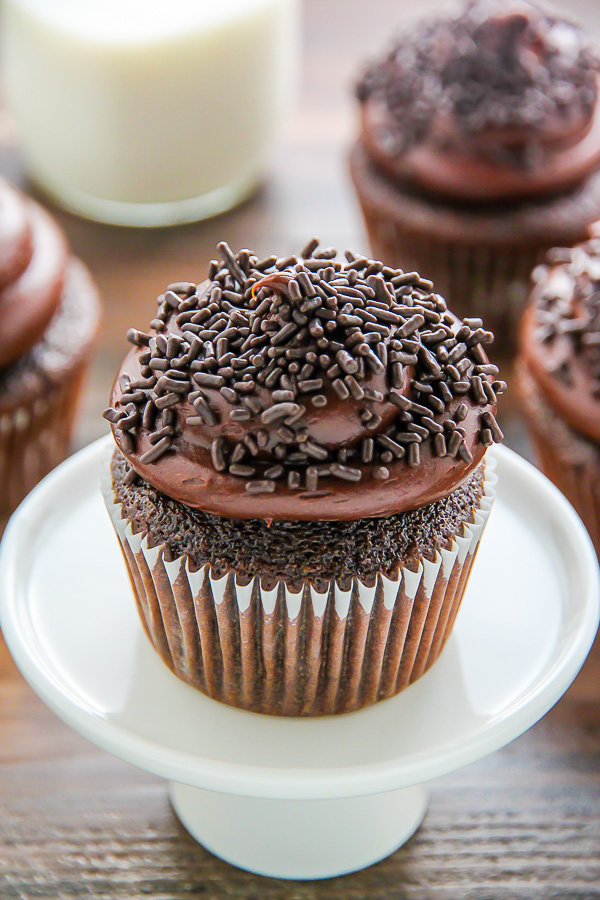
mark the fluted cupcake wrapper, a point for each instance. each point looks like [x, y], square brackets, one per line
[34, 438]
[304, 652]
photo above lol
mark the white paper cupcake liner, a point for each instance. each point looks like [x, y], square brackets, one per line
[306, 652]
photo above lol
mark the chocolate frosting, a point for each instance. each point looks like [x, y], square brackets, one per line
[560, 337]
[33, 259]
[291, 405]
[499, 102]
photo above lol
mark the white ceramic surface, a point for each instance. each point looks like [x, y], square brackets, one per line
[527, 621]
[301, 838]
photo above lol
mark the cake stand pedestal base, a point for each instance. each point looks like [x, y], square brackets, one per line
[300, 838]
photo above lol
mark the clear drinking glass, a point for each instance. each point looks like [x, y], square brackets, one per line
[139, 112]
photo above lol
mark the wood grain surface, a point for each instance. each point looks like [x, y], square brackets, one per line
[76, 823]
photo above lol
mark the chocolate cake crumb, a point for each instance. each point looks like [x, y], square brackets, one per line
[315, 551]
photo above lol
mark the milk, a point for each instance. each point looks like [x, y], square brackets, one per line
[146, 112]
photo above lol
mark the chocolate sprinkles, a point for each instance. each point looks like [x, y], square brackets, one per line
[278, 340]
[567, 312]
[484, 80]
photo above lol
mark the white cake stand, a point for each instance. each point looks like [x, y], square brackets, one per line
[297, 798]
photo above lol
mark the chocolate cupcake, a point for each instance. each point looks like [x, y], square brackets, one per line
[479, 150]
[299, 485]
[50, 314]
[559, 375]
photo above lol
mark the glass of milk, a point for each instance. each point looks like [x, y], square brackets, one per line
[140, 112]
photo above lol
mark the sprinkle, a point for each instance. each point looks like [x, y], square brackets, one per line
[371, 358]
[312, 479]
[241, 471]
[279, 411]
[239, 414]
[387, 442]
[310, 248]
[156, 436]
[130, 477]
[489, 422]
[454, 443]
[340, 388]
[354, 387]
[140, 338]
[309, 385]
[465, 454]
[367, 449]
[113, 415]
[414, 455]
[171, 399]
[156, 452]
[439, 445]
[345, 472]
[216, 452]
[260, 487]
[380, 473]
[411, 325]
[283, 396]
[229, 394]
[204, 410]
[185, 288]
[346, 362]
[274, 472]
[231, 262]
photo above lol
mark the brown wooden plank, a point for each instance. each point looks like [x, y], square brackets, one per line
[523, 824]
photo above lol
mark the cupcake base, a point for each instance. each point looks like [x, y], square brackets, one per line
[39, 394]
[567, 458]
[298, 652]
[479, 258]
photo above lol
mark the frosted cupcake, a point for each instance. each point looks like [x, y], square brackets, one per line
[479, 150]
[559, 375]
[49, 310]
[299, 484]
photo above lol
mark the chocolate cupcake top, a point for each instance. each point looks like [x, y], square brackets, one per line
[305, 388]
[561, 335]
[500, 101]
[33, 261]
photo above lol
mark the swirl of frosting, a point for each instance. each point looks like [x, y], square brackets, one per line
[499, 102]
[33, 260]
[560, 336]
[305, 388]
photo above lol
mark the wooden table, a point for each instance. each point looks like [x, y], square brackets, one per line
[74, 822]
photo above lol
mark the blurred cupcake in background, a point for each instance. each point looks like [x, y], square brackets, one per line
[301, 482]
[559, 375]
[479, 149]
[49, 313]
